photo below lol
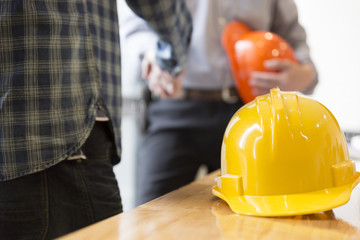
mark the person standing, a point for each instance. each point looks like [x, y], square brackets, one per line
[60, 107]
[187, 116]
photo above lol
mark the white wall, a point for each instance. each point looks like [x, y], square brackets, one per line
[333, 28]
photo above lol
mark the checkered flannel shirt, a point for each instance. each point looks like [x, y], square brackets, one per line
[59, 63]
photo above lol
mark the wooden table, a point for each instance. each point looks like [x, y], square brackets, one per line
[192, 212]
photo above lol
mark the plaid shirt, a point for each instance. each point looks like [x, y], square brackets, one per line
[59, 63]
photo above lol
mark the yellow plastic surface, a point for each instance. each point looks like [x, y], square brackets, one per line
[284, 154]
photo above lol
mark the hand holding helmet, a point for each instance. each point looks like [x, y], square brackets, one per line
[261, 60]
[288, 76]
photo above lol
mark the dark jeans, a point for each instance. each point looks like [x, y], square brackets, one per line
[65, 197]
[182, 135]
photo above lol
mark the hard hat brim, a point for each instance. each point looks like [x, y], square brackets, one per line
[291, 204]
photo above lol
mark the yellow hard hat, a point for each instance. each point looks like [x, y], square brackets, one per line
[284, 154]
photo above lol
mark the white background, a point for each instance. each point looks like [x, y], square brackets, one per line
[333, 29]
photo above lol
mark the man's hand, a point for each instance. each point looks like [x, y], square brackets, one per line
[161, 83]
[291, 77]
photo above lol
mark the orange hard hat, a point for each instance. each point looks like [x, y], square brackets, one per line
[247, 50]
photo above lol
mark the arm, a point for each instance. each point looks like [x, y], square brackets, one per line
[301, 76]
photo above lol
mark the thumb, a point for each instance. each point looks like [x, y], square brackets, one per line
[147, 64]
[145, 68]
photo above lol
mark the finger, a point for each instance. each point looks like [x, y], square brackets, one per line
[147, 63]
[158, 91]
[154, 80]
[178, 87]
[159, 87]
[145, 68]
[259, 91]
[265, 75]
[168, 87]
[277, 64]
[155, 74]
[265, 80]
[168, 82]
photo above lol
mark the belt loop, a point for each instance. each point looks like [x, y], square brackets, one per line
[229, 96]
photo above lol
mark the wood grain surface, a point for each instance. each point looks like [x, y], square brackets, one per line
[192, 212]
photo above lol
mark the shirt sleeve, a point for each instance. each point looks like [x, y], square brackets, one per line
[172, 22]
[136, 40]
[286, 24]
